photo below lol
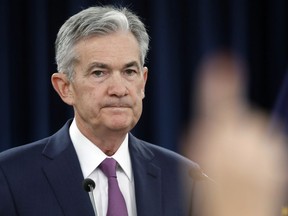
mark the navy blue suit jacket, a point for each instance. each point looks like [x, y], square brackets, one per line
[44, 178]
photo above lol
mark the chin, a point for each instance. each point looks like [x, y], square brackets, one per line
[125, 127]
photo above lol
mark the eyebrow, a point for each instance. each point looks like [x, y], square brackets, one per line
[106, 66]
[132, 64]
[98, 64]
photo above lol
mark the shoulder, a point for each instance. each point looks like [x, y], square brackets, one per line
[22, 153]
[48, 146]
[162, 156]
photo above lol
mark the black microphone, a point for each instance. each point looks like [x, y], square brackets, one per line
[89, 185]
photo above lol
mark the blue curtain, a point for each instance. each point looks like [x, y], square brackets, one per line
[182, 32]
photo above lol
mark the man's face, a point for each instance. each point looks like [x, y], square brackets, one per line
[108, 83]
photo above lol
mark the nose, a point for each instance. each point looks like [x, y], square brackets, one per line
[117, 85]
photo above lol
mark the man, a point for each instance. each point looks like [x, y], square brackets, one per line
[100, 53]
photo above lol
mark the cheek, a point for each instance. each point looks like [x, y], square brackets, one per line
[140, 89]
[87, 97]
[139, 101]
[138, 94]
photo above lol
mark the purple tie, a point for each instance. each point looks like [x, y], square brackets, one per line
[116, 202]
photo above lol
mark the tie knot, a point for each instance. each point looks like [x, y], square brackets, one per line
[108, 167]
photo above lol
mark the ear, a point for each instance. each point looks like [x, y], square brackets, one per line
[62, 86]
[145, 76]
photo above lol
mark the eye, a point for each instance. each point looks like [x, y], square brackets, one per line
[98, 73]
[130, 72]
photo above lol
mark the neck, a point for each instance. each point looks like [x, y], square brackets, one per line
[107, 140]
[110, 145]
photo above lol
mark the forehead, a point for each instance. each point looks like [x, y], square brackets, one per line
[120, 47]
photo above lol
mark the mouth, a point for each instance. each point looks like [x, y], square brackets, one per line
[117, 105]
[116, 110]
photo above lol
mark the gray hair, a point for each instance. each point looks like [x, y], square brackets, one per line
[96, 21]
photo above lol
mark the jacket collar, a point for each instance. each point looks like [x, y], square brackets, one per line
[64, 174]
[147, 177]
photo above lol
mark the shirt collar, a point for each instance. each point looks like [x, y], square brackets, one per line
[90, 156]
[122, 156]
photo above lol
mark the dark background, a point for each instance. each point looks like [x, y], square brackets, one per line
[182, 32]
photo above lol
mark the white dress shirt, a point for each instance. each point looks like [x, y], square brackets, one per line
[90, 157]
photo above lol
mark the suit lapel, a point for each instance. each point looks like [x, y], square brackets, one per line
[65, 176]
[147, 177]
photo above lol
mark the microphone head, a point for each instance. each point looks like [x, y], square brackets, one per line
[88, 184]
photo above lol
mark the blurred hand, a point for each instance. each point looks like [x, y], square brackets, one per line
[233, 144]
